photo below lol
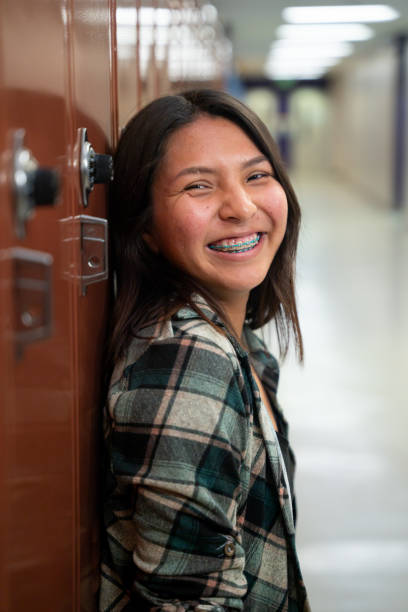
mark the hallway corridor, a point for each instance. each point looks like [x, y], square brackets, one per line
[348, 406]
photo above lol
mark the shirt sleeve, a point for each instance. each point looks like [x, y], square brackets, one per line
[177, 445]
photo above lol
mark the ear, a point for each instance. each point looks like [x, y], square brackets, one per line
[151, 242]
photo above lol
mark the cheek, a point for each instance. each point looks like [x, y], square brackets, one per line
[278, 209]
[185, 227]
[182, 231]
[283, 212]
[191, 225]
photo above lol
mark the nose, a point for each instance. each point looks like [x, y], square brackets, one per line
[236, 204]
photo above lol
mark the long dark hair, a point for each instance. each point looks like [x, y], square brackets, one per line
[149, 288]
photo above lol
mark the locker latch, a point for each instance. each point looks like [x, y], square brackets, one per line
[85, 250]
[94, 167]
[32, 296]
[94, 250]
[32, 185]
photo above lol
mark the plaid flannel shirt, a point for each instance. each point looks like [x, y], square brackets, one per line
[197, 511]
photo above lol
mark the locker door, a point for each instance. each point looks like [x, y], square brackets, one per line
[54, 81]
[38, 503]
[93, 97]
[5, 351]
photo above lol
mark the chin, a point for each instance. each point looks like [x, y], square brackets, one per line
[248, 287]
[239, 290]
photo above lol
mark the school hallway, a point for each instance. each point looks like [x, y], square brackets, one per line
[347, 406]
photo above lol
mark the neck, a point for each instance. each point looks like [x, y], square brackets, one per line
[235, 310]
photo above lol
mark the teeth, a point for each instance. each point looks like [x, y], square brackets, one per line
[236, 245]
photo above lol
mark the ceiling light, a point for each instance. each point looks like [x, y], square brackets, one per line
[311, 50]
[340, 46]
[329, 32]
[301, 63]
[296, 74]
[298, 68]
[339, 14]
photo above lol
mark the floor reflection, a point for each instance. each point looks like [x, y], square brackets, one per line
[348, 405]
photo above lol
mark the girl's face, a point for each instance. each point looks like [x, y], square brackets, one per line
[219, 214]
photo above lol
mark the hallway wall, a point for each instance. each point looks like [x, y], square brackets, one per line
[310, 112]
[362, 123]
[406, 141]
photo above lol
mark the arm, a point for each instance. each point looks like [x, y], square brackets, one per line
[177, 445]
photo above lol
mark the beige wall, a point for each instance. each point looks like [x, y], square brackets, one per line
[406, 143]
[264, 103]
[362, 123]
[309, 120]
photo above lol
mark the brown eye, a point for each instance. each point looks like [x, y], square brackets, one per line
[258, 175]
[195, 186]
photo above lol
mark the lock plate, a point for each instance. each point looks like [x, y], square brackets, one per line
[32, 296]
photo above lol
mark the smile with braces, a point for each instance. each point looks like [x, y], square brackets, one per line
[240, 247]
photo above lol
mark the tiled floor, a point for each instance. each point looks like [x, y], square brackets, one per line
[348, 405]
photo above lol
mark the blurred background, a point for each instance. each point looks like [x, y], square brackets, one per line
[330, 82]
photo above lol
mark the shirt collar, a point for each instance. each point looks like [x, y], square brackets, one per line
[187, 313]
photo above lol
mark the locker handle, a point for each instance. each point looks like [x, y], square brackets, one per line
[32, 185]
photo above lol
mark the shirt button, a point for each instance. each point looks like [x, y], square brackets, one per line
[229, 549]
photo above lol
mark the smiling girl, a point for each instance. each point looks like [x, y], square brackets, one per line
[199, 505]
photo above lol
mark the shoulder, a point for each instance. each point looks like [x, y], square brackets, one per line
[192, 345]
[186, 363]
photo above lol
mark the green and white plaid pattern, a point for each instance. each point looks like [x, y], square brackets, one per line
[197, 513]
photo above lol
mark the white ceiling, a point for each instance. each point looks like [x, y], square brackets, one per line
[251, 25]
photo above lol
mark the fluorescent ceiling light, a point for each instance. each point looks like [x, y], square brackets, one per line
[339, 14]
[311, 50]
[329, 32]
[301, 64]
[299, 68]
[286, 75]
[337, 46]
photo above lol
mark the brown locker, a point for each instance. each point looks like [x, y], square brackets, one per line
[57, 73]
[67, 84]
[94, 104]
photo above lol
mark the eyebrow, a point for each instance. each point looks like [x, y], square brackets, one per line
[195, 170]
[205, 170]
[255, 160]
